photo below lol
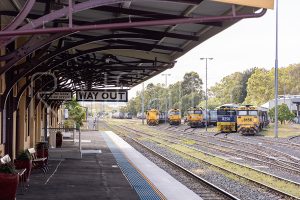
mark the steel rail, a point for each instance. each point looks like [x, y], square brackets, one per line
[204, 152]
[234, 151]
[293, 143]
[218, 189]
[207, 143]
[190, 173]
[222, 168]
[231, 140]
[282, 143]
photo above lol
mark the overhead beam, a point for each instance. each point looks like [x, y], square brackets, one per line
[139, 54]
[161, 33]
[147, 46]
[191, 2]
[62, 13]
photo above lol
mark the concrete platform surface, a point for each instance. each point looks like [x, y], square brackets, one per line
[98, 176]
[95, 176]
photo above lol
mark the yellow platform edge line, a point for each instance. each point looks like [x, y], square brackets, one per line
[269, 4]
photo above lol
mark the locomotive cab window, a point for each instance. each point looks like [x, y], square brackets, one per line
[242, 112]
[195, 112]
[253, 112]
[198, 111]
[249, 112]
[174, 113]
[226, 112]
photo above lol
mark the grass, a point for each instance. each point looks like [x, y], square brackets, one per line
[284, 130]
[271, 181]
[188, 142]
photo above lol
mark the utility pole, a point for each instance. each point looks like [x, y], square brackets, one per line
[166, 112]
[206, 96]
[143, 107]
[276, 76]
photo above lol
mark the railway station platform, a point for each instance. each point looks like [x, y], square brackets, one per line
[116, 171]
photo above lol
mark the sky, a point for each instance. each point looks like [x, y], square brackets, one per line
[247, 44]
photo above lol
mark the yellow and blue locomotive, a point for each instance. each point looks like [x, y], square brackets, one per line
[226, 121]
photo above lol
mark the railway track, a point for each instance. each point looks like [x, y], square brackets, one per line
[141, 134]
[251, 151]
[259, 148]
[266, 159]
[293, 138]
[281, 143]
[284, 165]
[246, 154]
[209, 191]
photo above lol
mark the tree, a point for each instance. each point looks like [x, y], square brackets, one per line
[76, 112]
[182, 95]
[212, 103]
[229, 89]
[245, 77]
[260, 87]
[190, 100]
[191, 83]
[124, 109]
[232, 88]
[284, 113]
[289, 82]
[175, 94]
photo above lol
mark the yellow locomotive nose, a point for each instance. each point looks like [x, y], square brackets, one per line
[251, 119]
[174, 116]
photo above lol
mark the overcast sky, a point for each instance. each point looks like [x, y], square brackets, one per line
[249, 43]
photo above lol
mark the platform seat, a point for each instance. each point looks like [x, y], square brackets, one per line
[38, 163]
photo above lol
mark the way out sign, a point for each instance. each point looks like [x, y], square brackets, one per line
[102, 95]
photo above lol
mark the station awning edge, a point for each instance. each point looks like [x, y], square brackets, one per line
[269, 4]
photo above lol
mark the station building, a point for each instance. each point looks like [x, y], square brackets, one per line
[292, 101]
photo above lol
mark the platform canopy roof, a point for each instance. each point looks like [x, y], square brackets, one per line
[109, 43]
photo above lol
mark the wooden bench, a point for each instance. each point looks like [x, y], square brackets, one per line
[21, 172]
[38, 163]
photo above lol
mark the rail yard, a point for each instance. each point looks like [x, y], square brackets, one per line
[230, 164]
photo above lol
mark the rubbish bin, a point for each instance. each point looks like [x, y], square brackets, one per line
[59, 139]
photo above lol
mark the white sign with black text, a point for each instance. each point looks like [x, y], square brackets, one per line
[102, 95]
[67, 96]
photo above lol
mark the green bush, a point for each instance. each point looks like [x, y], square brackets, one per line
[284, 113]
[23, 155]
[69, 123]
[8, 168]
